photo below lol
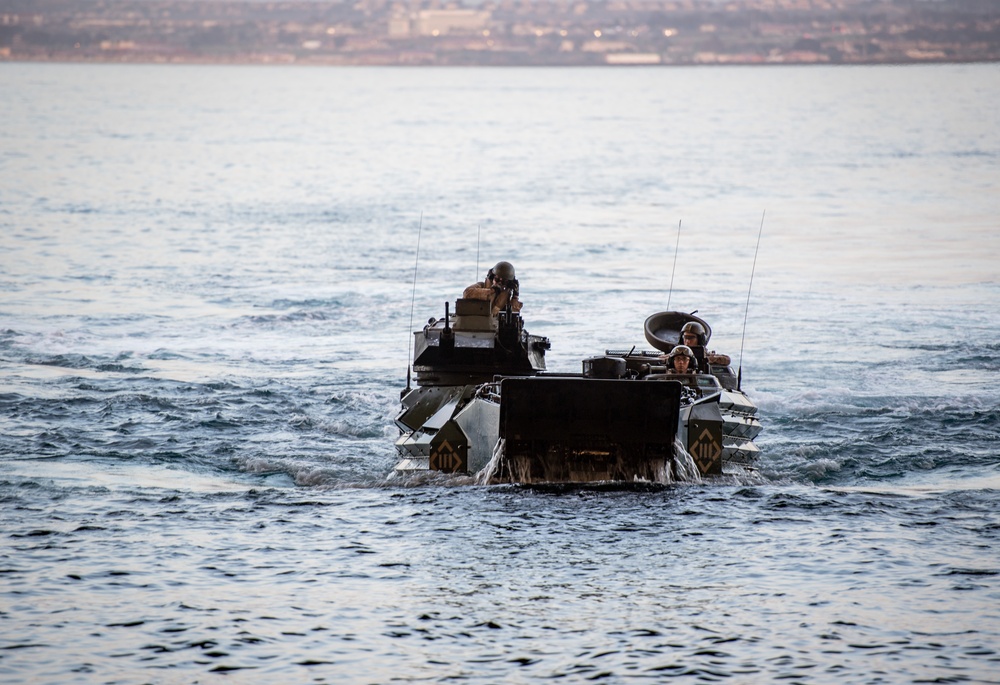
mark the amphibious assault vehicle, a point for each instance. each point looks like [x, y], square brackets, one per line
[485, 405]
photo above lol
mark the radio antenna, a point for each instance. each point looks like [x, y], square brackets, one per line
[739, 375]
[674, 267]
[413, 297]
[479, 232]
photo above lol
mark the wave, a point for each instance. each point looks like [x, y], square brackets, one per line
[878, 438]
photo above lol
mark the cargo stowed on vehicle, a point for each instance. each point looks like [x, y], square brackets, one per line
[485, 405]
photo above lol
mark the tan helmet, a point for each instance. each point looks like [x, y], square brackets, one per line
[693, 327]
[503, 271]
[681, 351]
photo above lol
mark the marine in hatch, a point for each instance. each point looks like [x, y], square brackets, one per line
[500, 287]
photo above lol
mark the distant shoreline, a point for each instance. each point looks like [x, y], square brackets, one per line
[464, 65]
[502, 33]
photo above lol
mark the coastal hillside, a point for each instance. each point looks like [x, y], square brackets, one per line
[502, 32]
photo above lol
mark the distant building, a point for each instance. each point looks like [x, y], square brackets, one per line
[633, 58]
[399, 26]
[445, 22]
[605, 46]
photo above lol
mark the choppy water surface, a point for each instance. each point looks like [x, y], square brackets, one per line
[207, 278]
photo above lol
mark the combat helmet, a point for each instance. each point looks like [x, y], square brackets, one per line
[694, 328]
[681, 351]
[503, 271]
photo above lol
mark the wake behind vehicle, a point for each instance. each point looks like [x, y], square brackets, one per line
[485, 405]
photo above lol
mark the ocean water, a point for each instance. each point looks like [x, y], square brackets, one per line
[209, 276]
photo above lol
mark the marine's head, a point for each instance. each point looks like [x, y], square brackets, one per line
[681, 357]
[693, 333]
[502, 272]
